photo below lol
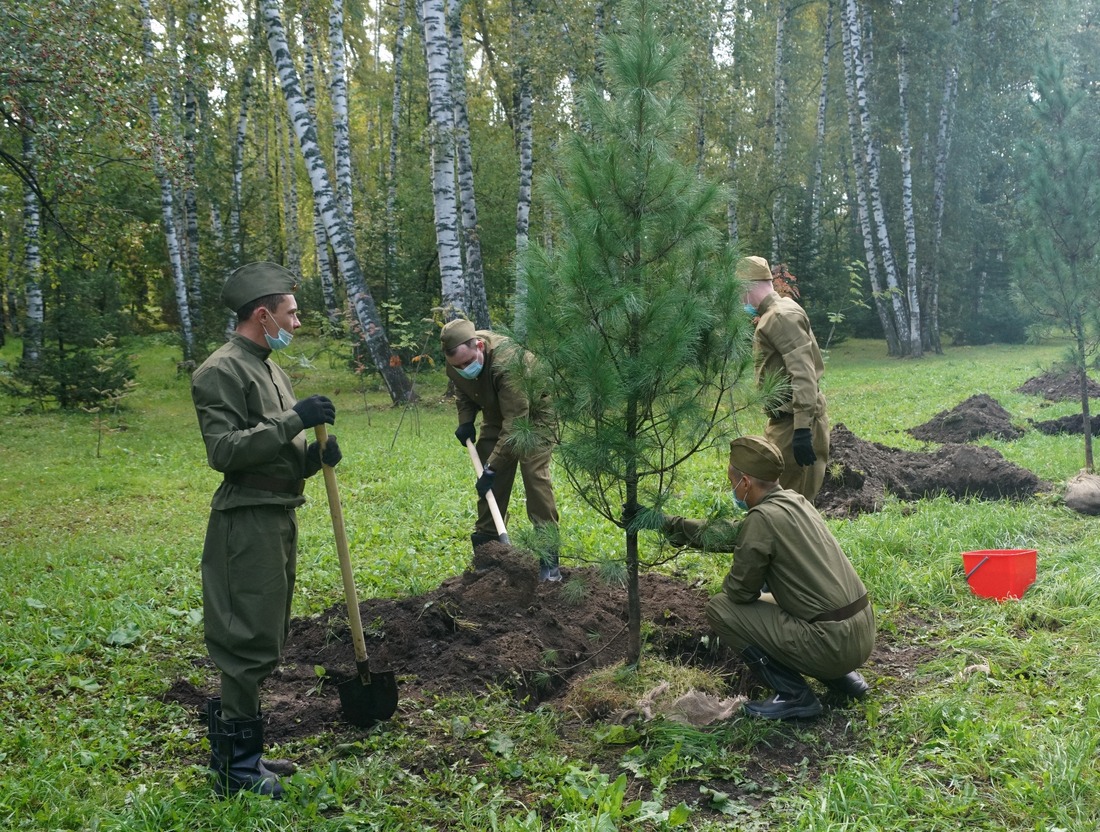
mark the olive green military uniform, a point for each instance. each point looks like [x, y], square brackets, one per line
[256, 440]
[783, 542]
[784, 345]
[502, 401]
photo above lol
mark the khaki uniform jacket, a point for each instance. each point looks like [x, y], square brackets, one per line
[782, 541]
[784, 345]
[244, 402]
[501, 400]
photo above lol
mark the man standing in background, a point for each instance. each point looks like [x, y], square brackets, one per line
[784, 346]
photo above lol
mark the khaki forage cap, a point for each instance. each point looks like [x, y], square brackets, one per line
[257, 280]
[754, 268]
[757, 457]
[456, 332]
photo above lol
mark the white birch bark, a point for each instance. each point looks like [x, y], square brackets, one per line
[908, 215]
[525, 145]
[438, 58]
[476, 302]
[874, 191]
[859, 170]
[32, 256]
[166, 201]
[395, 132]
[338, 92]
[235, 237]
[290, 204]
[305, 128]
[190, 198]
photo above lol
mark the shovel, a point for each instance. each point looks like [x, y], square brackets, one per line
[367, 697]
[490, 497]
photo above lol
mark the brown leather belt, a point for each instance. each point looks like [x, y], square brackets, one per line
[843, 613]
[275, 484]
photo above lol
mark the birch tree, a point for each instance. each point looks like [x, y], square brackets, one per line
[191, 45]
[372, 333]
[395, 132]
[908, 214]
[524, 137]
[32, 256]
[437, 53]
[338, 93]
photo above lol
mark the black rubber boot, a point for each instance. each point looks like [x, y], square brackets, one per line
[235, 749]
[269, 768]
[849, 686]
[548, 568]
[793, 698]
[481, 538]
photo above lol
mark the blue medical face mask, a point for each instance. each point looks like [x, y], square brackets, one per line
[750, 309]
[471, 370]
[280, 341]
[737, 501]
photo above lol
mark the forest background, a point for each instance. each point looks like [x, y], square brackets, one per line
[390, 153]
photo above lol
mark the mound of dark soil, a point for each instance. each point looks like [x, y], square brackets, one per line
[1074, 423]
[978, 416]
[860, 474]
[1058, 385]
[494, 626]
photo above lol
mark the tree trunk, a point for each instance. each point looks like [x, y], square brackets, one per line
[395, 131]
[166, 201]
[235, 235]
[190, 199]
[476, 301]
[939, 186]
[438, 57]
[816, 195]
[525, 144]
[859, 171]
[338, 90]
[293, 245]
[32, 257]
[908, 214]
[362, 302]
[779, 142]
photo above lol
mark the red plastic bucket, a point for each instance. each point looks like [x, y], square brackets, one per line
[1000, 573]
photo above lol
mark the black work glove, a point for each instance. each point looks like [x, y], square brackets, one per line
[485, 482]
[316, 410]
[466, 431]
[803, 447]
[330, 457]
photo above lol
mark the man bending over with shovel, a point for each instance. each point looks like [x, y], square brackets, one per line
[482, 366]
[253, 427]
[791, 603]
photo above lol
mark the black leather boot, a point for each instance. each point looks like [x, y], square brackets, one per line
[793, 698]
[849, 686]
[481, 538]
[235, 749]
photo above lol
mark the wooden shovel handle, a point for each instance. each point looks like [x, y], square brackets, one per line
[337, 514]
[490, 497]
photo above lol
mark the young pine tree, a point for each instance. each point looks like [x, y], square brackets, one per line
[635, 311]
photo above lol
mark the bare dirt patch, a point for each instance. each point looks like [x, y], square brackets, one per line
[860, 474]
[1058, 385]
[1074, 423]
[980, 415]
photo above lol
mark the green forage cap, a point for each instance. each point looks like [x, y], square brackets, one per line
[257, 280]
[754, 268]
[455, 333]
[757, 457]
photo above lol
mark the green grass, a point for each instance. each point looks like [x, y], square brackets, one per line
[101, 610]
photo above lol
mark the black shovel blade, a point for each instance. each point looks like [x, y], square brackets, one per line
[365, 704]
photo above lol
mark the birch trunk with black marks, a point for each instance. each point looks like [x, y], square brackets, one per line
[477, 303]
[236, 238]
[372, 332]
[437, 53]
[816, 192]
[338, 92]
[395, 132]
[908, 214]
[290, 204]
[32, 255]
[524, 137]
[190, 199]
[859, 171]
[167, 207]
[779, 141]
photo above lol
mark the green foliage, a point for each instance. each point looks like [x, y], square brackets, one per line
[634, 311]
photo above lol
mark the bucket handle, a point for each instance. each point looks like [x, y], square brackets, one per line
[976, 568]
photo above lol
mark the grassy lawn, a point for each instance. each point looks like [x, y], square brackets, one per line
[100, 537]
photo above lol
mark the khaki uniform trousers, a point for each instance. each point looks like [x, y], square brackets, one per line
[824, 650]
[535, 471]
[249, 562]
[805, 480]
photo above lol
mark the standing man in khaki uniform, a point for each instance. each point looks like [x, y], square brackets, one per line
[813, 617]
[784, 345]
[253, 427]
[482, 366]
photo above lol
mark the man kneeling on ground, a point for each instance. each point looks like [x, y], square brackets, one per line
[792, 603]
